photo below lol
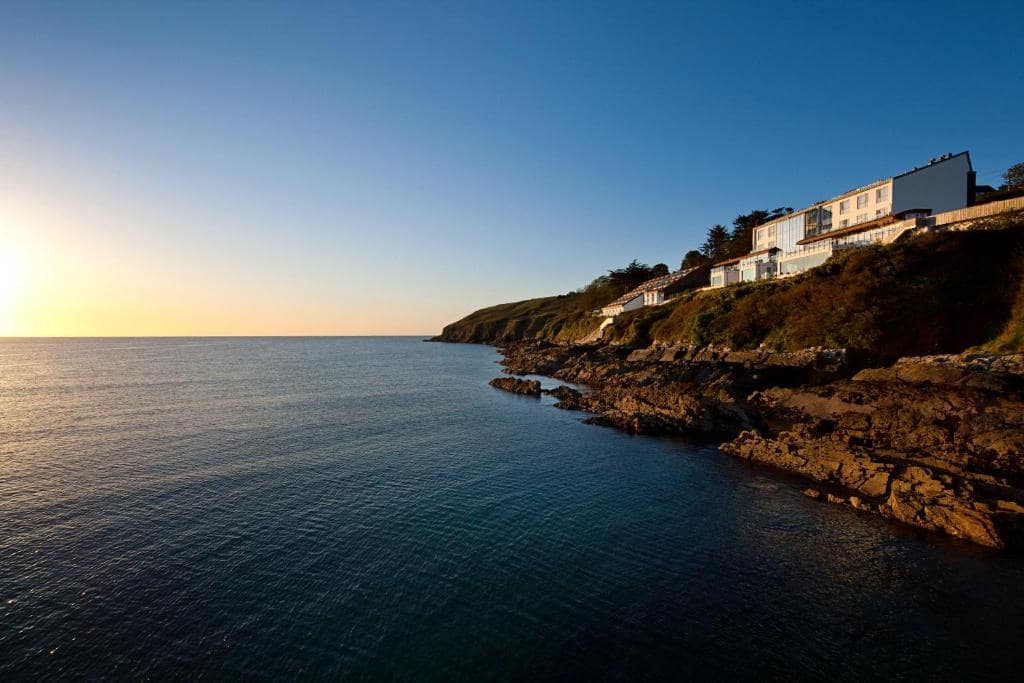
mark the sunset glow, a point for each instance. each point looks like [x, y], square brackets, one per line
[350, 175]
[12, 273]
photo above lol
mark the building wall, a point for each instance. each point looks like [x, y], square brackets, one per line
[725, 275]
[654, 298]
[941, 186]
[789, 231]
[800, 263]
[760, 267]
[867, 204]
[633, 304]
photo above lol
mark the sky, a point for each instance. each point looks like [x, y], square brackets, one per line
[203, 168]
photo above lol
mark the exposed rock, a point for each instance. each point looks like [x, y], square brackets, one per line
[936, 442]
[568, 398]
[526, 387]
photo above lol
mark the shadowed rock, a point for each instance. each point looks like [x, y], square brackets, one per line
[936, 442]
[524, 387]
[568, 398]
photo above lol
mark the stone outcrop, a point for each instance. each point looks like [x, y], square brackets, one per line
[935, 442]
[567, 397]
[524, 387]
[679, 390]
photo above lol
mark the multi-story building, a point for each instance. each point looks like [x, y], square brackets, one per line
[807, 238]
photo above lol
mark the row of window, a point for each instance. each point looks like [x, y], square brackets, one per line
[881, 195]
[820, 220]
[861, 217]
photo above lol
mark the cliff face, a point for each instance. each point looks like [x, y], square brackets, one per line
[934, 442]
[940, 293]
[884, 425]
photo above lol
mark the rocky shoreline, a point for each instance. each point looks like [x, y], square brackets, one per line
[936, 442]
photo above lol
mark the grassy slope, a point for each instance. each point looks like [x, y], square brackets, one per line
[933, 294]
[558, 318]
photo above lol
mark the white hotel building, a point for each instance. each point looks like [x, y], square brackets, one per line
[874, 213]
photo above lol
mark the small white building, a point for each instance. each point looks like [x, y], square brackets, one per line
[655, 291]
[805, 239]
[627, 302]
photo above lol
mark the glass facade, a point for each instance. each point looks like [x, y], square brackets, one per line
[825, 218]
[817, 221]
[790, 231]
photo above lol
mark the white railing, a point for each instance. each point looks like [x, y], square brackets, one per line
[807, 250]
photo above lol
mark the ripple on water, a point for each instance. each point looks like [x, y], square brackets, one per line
[371, 508]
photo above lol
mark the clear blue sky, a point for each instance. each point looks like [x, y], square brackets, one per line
[388, 167]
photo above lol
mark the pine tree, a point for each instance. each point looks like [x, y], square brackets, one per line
[1014, 177]
[716, 244]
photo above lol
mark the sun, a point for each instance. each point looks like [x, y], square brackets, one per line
[12, 272]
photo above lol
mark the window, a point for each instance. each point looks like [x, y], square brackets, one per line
[843, 223]
[862, 200]
[844, 206]
[879, 212]
[826, 219]
[882, 194]
[861, 217]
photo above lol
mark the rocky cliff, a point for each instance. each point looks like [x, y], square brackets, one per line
[887, 425]
[934, 442]
[939, 293]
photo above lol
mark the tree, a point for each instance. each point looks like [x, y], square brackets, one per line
[1014, 177]
[692, 259]
[716, 244]
[627, 278]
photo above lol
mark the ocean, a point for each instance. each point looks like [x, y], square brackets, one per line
[368, 509]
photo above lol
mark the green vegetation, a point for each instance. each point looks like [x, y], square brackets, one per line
[692, 259]
[722, 243]
[1014, 177]
[1012, 188]
[563, 318]
[939, 293]
[1011, 338]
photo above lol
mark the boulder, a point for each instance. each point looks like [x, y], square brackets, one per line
[524, 387]
[568, 398]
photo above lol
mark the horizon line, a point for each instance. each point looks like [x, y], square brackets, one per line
[210, 336]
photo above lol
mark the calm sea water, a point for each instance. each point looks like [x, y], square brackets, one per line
[370, 508]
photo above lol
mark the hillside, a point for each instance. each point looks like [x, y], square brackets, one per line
[562, 318]
[937, 293]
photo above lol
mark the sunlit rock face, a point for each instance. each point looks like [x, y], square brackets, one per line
[936, 442]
